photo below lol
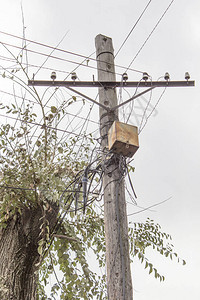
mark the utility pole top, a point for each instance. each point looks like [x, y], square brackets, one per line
[103, 44]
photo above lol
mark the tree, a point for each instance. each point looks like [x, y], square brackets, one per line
[48, 213]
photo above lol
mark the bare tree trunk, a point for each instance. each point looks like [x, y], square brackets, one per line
[19, 255]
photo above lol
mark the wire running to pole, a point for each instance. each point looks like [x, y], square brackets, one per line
[149, 35]
[142, 127]
[64, 51]
[133, 27]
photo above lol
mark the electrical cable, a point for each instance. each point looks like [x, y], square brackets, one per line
[149, 35]
[20, 97]
[133, 28]
[31, 65]
[133, 202]
[41, 125]
[34, 123]
[132, 102]
[51, 54]
[64, 51]
[152, 111]
[61, 218]
[129, 178]
[120, 98]
[148, 103]
[147, 208]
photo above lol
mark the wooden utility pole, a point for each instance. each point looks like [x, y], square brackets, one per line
[119, 281]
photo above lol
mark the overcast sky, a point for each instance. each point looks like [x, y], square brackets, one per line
[168, 161]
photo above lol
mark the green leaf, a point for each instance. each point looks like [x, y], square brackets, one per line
[60, 149]
[146, 265]
[53, 109]
[38, 143]
[151, 269]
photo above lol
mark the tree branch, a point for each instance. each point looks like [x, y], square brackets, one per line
[60, 236]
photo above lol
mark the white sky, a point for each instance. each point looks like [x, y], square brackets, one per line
[168, 161]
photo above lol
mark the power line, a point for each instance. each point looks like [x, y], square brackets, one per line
[20, 97]
[133, 28]
[150, 35]
[41, 125]
[54, 57]
[28, 100]
[31, 65]
[45, 45]
[51, 53]
[47, 55]
[64, 51]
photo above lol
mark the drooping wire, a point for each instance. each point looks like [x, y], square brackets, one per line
[141, 128]
[147, 106]
[147, 208]
[69, 202]
[133, 28]
[132, 102]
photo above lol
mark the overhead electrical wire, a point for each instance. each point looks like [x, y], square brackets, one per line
[31, 65]
[34, 102]
[50, 53]
[42, 125]
[128, 68]
[133, 27]
[61, 59]
[46, 55]
[45, 45]
[64, 51]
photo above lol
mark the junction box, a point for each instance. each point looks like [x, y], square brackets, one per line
[123, 139]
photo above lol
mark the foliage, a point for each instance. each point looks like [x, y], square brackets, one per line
[37, 163]
[149, 235]
[78, 281]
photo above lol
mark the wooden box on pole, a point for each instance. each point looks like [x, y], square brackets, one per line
[123, 139]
